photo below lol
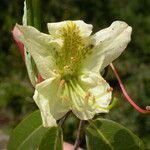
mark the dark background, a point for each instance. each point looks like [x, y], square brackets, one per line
[134, 64]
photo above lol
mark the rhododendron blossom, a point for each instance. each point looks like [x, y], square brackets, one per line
[69, 60]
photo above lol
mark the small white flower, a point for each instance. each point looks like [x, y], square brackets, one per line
[69, 60]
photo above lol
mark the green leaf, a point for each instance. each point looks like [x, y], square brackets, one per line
[52, 140]
[105, 134]
[28, 134]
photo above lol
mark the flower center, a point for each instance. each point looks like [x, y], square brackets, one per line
[81, 98]
[73, 50]
[73, 90]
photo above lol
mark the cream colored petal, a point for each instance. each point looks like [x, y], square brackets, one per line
[43, 104]
[92, 95]
[41, 47]
[48, 97]
[99, 88]
[85, 29]
[80, 107]
[108, 44]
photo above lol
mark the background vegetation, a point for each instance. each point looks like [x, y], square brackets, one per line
[134, 64]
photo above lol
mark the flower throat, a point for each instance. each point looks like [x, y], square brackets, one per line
[72, 52]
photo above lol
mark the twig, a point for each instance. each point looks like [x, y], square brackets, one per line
[79, 135]
[105, 72]
[61, 121]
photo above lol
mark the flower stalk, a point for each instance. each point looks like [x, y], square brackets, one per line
[37, 16]
[80, 134]
[29, 9]
[144, 111]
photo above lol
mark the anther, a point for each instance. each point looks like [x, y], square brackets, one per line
[55, 71]
[62, 83]
[147, 107]
[100, 82]
[66, 67]
[73, 59]
[87, 96]
[93, 98]
[110, 89]
[65, 98]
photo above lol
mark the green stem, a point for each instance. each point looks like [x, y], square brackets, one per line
[29, 12]
[37, 16]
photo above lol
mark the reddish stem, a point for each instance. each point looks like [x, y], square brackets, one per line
[147, 110]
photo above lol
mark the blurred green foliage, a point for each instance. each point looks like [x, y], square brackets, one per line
[134, 65]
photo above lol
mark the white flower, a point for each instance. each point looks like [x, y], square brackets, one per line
[69, 60]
